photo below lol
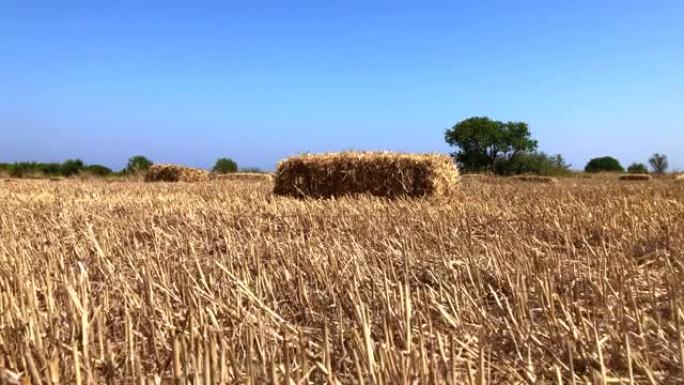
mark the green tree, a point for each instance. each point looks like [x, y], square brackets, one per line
[138, 164]
[637, 168]
[225, 165]
[658, 163]
[97, 170]
[605, 163]
[482, 142]
[71, 167]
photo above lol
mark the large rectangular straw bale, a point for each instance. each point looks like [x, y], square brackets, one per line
[679, 178]
[244, 176]
[635, 177]
[384, 174]
[175, 173]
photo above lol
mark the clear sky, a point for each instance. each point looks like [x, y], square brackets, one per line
[188, 82]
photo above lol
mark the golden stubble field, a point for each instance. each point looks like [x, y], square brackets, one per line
[222, 282]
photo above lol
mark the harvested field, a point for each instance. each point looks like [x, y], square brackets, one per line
[244, 176]
[175, 173]
[498, 283]
[535, 179]
[383, 174]
[635, 177]
[477, 176]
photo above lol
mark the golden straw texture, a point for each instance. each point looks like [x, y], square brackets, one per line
[175, 173]
[221, 283]
[244, 176]
[383, 174]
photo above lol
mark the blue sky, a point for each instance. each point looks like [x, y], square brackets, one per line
[188, 82]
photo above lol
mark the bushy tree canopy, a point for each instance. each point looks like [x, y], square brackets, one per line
[482, 141]
[605, 163]
[97, 170]
[637, 168]
[138, 164]
[72, 167]
[225, 165]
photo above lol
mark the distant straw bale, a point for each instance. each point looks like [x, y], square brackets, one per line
[679, 178]
[244, 176]
[536, 179]
[175, 173]
[384, 174]
[635, 177]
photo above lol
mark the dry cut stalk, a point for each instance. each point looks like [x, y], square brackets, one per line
[221, 283]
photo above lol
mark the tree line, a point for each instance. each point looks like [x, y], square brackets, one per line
[485, 145]
[72, 167]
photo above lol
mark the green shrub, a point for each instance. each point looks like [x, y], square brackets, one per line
[606, 163]
[224, 166]
[71, 167]
[27, 169]
[137, 164]
[50, 169]
[537, 163]
[637, 168]
[97, 170]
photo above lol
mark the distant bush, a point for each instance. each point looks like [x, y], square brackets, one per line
[537, 163]
[4, 169]
[606, 163]
[71, 167]
[137, 164]
[97, 170]
[658, 163]
[33, 169]
[224, 166]
[51, 169]
[637, 168]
